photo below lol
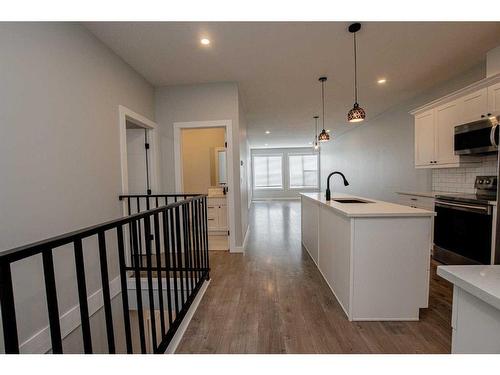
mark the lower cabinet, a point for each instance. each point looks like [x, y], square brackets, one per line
[217, 214]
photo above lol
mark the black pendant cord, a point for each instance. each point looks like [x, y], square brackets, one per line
[355, 72]
[323, 102]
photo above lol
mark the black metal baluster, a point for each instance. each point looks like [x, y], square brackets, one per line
[138, 288]
[108, 313]
[139, 249]
[52, 307]
[156, 200]
[197, 231]
[186, 249]
[190, 246]
[179, 251]
[174, 260]
[196, 240]
[10, 338]
[156, 222]
[149, 272]
[82, 296]
[167, 264]
[123, 281]
[205, 235]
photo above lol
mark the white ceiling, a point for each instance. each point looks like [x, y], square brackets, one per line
[276, 65]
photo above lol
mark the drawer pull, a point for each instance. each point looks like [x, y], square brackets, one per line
[414, 199]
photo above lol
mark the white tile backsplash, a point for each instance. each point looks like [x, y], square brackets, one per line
[461, 180]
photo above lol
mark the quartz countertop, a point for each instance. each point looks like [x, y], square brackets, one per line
[374, 208]
[482, 281]
[428, 194]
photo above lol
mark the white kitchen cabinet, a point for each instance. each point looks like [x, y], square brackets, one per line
[424, 139]
[494, 98]
[217, 214]
[473, 106]
[446, 117]
[434, 138]
[435, 123]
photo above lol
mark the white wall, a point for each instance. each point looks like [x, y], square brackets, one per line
[202, 102]
[377, 156]
[285, 193]
[59, 150]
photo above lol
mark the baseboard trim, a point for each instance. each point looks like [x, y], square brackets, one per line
[172, 347]
[243, 247]
[40, 342]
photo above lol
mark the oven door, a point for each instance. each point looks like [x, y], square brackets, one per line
[462, 233]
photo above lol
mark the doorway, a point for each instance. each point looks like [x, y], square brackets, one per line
[138, 153]
[206, 165]
[138, 159]
[204, 169]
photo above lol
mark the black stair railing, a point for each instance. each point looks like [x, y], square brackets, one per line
[166, 245]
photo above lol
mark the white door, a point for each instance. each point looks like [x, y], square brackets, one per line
[494, 98]
[473, 106]
[446, 118]
[137, 160]
[424, 139]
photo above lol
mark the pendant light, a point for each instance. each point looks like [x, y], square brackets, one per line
[356, 114]
[323, 136]
[315, 142]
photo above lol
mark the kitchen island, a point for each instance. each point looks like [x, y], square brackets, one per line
[374, 255]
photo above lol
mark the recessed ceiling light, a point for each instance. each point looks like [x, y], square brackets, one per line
[268, 132]
[265, 144]
[205, 41]
[381, 81]
[310, 143]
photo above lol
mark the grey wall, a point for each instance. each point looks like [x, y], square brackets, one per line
[285, 193]
[59, 150]
[203, 102]
[377, 156]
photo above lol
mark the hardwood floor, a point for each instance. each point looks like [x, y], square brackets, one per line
[274, 300]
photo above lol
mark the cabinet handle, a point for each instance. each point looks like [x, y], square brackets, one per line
[210, 219]
[413, 199]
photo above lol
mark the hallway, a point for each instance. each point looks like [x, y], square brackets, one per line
[273, 299]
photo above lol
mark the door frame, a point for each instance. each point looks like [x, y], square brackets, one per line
[228, 125]
[125, 114]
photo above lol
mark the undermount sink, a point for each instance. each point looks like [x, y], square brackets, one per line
[350, 200]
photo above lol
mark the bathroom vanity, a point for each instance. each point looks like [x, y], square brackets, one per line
[374, 255]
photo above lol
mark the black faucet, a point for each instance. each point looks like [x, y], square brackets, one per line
[328, 195]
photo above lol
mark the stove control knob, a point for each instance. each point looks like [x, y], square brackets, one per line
[480, 181]
[487, 181]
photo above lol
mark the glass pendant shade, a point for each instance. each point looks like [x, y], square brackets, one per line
[323, 136]
[356, 114]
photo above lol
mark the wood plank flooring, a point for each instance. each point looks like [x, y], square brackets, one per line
[274, 300]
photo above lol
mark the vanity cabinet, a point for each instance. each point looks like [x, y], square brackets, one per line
[217, 214]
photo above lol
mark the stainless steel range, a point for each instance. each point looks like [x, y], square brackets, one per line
[463, 227]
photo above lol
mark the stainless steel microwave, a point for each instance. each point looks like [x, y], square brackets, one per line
[478, 137]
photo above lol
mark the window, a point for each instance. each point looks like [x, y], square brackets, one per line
[267, 172]
[303, 171]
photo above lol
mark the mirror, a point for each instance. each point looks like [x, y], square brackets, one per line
[221, 166]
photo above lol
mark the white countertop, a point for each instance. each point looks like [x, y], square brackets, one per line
[428, 194]
[433, 194]
[480, 281]
[373, 209]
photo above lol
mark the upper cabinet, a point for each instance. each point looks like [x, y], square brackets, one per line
[494, 98]
[425, 150]
[435, 123]
[474, 106]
